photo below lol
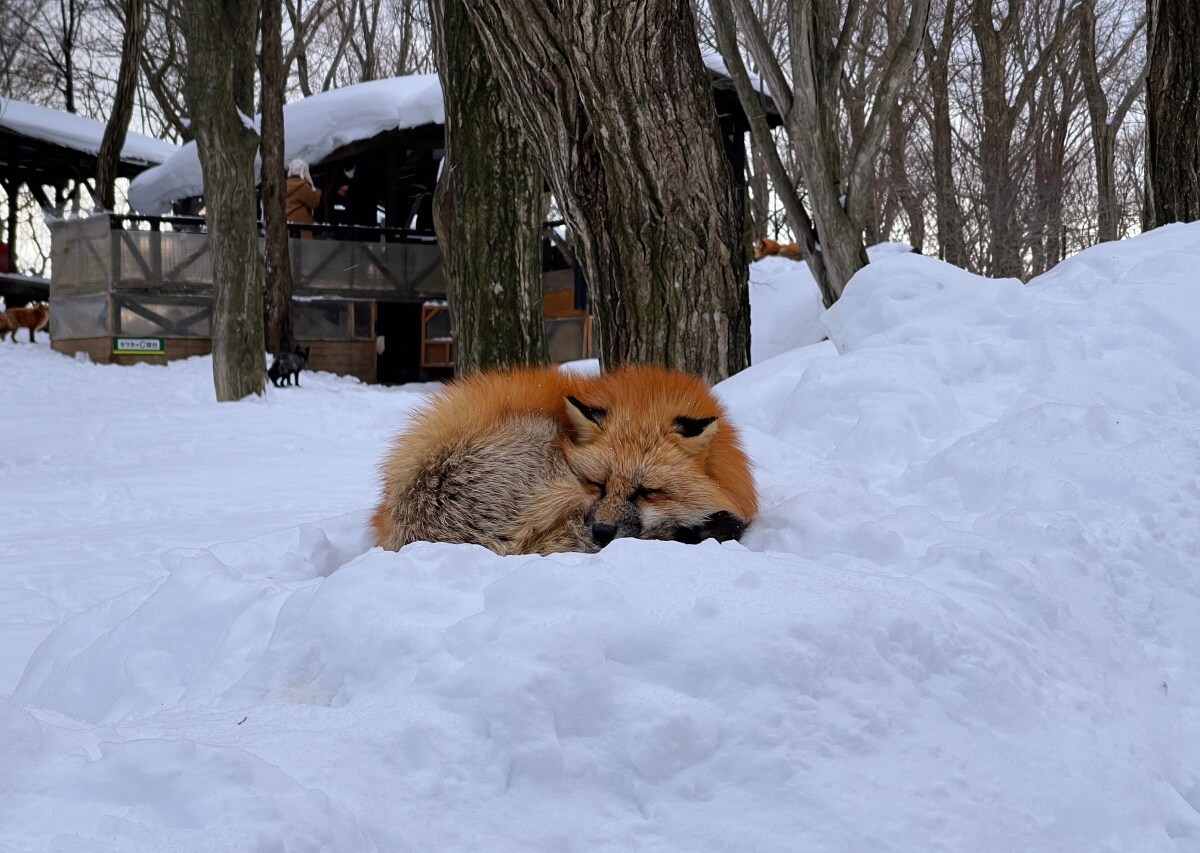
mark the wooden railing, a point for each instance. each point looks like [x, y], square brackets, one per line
[168, 255]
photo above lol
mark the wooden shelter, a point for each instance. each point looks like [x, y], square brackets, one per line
[130, 288]
[368, 294]
[52, 153]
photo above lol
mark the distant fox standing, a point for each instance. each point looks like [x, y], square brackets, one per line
[34, 318]
[540, 460]
[287, 365]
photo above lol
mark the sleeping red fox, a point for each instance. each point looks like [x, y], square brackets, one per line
[34, 319]
[540, 460]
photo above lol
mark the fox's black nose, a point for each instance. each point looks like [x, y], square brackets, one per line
[602, 534]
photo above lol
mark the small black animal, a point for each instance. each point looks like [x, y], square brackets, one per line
[285, 366]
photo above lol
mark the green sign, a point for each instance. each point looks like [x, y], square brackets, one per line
[139, 346]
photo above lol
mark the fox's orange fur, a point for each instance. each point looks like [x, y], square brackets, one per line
[540, 460]
[34, 319]
[765, 247]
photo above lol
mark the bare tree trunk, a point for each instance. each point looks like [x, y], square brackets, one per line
[616, 99]
[219, 83]
[1104, 135]
[907, 197]
[162, 61]
[1050, 126]
[951, 244]
[760, 194]
[1001, 110]
[840, 191]
[1105, 127]
[995, 155]
[109, 159]
[69, 34]
[54, 42]
[764, 144]
[12, 191]
[1173, 112]
[488, 208]
[816, 144]
[279, 335]
[299, 50]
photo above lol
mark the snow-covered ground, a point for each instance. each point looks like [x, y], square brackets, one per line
[967, 619]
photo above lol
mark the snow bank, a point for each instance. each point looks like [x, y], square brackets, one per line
[966, 620]
[77, 132]
[785, 303]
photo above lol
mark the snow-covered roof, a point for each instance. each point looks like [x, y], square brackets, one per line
[314, 128]
[77, 132]
[715, 63]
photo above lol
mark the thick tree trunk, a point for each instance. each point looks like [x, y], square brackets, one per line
[109, 159]
[488, 208]
[1173, 112]
[278, 262]
[219, 85]
[616, 100]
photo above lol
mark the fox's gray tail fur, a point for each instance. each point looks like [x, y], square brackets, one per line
[473, 490]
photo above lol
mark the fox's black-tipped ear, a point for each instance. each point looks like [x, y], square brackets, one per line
[697, 433]
[587, 420]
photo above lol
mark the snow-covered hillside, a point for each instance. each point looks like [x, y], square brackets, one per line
[967, 620]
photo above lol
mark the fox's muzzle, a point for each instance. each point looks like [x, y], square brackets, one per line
[609, 520]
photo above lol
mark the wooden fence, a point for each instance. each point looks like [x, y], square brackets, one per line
[170, 256]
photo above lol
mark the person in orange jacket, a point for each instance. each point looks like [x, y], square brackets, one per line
[302, 195]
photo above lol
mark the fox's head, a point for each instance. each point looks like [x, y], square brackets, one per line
[651, 447]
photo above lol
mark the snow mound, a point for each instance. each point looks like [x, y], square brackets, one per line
[966, 619]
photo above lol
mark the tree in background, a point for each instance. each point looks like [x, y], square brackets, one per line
[617, 103]
[931, 162]
[339, 42]
[109, 159]
[219, 86]
[163, 59]
[20, 71]
[937, 49]
[1173, 112]
[811, 98]
[54, 31]
[997, 38]
[1105, 121]
[489, 209]
[277, 258]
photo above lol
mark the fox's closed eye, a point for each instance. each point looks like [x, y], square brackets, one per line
[602, 488]
[643, 492]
